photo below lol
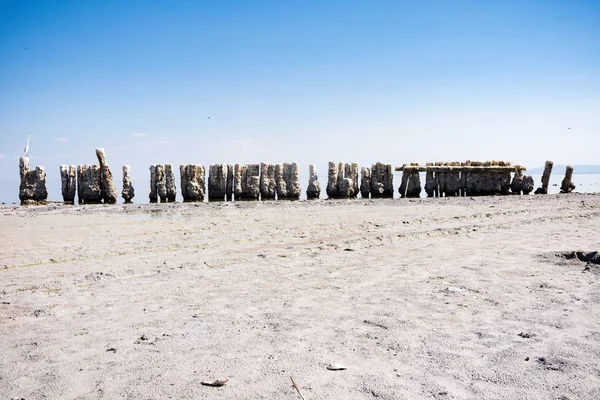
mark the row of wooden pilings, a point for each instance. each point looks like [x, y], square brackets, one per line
[226, 182]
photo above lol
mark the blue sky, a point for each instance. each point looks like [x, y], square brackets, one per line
[305, 81]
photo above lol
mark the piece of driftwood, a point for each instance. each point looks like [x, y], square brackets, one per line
[215, 383]
[297, 388]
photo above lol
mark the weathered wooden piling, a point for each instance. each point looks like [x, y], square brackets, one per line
[410, 185]
[153, 180]
[286, 181]
[170, 183]
[365, 182]
[251, 182]
[161, 183]
[382, 181]
[516, 186]
[351, 172]
[332, 181]
[567, 186]
[33, 183]
[452, 182]
[128, 193]
[347, 180]
[545, 178]
[268, 185]
[343, 180]
[430, 184]
[483, 181]
[109, 190]
[192, 182]
[313, 191]
[342, 186]
[68, 182]
[89, 184]
[217, 181]
[246, 183]
[229, 183]
[463, 177]
[238, 171]
[528, 184]
[79, 182]
[414, 185]
[439, 180]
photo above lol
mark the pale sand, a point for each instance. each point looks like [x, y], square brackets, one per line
[258, 292]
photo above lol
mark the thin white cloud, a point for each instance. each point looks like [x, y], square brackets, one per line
[61, 139]
[162, 141]
[31, 136]
[138, 134]
[123, 147]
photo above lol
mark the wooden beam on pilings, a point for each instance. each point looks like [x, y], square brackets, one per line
[444, 168]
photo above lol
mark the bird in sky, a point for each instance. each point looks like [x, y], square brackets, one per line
[568, 129]
[26, 151]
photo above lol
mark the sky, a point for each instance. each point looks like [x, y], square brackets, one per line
[304, 81]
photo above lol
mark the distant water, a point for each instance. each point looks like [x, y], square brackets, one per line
[9, 191]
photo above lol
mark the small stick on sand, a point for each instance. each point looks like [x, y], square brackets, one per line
[297, 388]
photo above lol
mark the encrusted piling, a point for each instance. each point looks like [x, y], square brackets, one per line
[292, 179]
[128, 192]
[382, 180]
[567, 186]
[430, 185]
[453, 181]
[504, 178]
[342, 191]
[192, 182]
[352, 177]
[343, 180]
[268, 186]
[545, 178]
[528, 184]
[464, 173]
[170, 183]
[516, 186]
[68, 180]
[489, 179]
[332, 181]
[109, 190]
[286, 181]
[153, 179]
[440, 180]
[411, 181]
[313, 191]
[161, 183]
[89, 184]
[229, 184]
[365, 182]
[217, 181]
[33, 183]
[414, 185]
[246, 181]
[238, 171]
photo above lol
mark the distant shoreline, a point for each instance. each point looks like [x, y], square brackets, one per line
[577, 169]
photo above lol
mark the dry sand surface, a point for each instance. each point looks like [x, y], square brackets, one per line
[452, 298]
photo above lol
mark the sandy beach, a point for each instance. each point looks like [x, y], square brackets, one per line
[441, 298]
